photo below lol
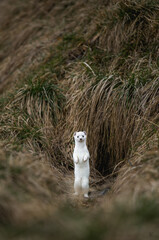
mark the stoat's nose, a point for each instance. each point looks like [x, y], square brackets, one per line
[80, 139]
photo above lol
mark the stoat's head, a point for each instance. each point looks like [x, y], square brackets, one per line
[80, 136]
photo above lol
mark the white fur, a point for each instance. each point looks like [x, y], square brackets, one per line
[81, 164]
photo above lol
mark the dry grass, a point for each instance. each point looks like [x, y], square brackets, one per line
[77, 65]
[28, 182]
[38, 28]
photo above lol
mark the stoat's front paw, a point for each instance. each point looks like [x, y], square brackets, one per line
[76, 160]
[85, 158]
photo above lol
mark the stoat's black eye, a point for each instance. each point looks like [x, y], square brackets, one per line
[78, 136]
[82, 135]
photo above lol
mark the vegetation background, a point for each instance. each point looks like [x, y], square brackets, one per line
[79, 65]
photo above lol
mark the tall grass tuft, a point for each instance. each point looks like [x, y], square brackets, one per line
[41, 99]
[114, 111]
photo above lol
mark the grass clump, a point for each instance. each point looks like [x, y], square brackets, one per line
[29, 115]
[42, 99]
[112, 110]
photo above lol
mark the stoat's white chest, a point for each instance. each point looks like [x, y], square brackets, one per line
[80, 152]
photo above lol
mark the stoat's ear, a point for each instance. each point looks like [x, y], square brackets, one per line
[85, 133]
[74, 134]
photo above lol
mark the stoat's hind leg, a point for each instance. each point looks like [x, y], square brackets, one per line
[77, 186]
[85, 186]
